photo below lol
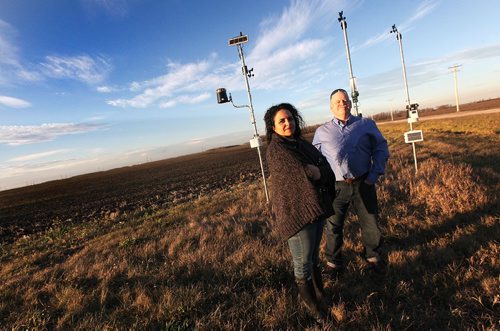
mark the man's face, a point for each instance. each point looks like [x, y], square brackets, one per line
[340, 106]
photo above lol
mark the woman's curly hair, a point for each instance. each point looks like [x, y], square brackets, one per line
[271, 113]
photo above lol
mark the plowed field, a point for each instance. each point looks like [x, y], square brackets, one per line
[107, 194]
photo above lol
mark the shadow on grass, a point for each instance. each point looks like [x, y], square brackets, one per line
[432, 289]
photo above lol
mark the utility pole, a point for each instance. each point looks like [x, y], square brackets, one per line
[354, 89]
[455, 69]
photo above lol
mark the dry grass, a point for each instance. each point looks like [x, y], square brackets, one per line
[214, 263]
[443, 109]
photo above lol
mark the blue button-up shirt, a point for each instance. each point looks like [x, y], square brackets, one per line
[353, 149]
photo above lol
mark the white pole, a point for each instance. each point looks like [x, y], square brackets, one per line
[252, 117]
[354, 90]
[454, 68]
[399, 37]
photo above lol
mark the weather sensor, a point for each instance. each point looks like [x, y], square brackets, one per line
[222, 97]
[412, 112]
[411, 108]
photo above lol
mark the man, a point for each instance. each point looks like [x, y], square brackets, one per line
[357, 153]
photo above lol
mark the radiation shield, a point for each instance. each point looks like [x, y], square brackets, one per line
[255, 142]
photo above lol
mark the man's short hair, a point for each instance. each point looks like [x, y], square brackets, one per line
[338, 90]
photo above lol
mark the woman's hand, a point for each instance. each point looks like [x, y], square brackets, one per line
[312, 171]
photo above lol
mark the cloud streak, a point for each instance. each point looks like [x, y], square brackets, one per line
[180, 78]
[83, 68]
[185, 99]
[13, 102]
[426, 71]
[11, 68]
[30, 134]
[36, 156]
[422, 10]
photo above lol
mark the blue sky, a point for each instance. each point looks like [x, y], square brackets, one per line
[89, 85]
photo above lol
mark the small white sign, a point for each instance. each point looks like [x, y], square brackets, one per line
[414, 136]
[255, 142]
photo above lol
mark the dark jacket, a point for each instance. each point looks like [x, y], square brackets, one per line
[296, 199]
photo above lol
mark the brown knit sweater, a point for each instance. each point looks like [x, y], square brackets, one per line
[294, 197]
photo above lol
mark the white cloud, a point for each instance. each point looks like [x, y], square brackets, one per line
[40, 167]
[83, 68]
[29, 134]
[104, 89]
[181, 78]
[291, 26]
[13, 102]
[283, 66]
[36, 156]
[422, 10]
[11, 69]
[283, 56]
[280, 53]
[426, 71]
[185, 99]
[8, 52]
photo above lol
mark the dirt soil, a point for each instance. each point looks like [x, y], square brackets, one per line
[159, 184]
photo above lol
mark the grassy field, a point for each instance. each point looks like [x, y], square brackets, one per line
[215, 262]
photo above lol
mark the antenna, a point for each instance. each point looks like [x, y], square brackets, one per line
[255, 142]
[455, 69]
[352, 79]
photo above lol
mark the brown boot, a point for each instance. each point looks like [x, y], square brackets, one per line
[306, 292]
[319, 288]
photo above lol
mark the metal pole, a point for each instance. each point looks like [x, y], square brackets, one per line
[454, 68]
[354, 91]
[252, 117]
[399, 37]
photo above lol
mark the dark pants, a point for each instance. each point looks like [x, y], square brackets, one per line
[363, 198]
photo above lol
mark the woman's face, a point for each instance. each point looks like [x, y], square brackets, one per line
[284, 123]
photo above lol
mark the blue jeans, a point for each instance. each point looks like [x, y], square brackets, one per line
[363, 198]
[304, 246]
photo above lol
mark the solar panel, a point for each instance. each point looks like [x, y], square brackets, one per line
[238, 40]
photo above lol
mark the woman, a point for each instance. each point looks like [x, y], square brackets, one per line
[299, 177]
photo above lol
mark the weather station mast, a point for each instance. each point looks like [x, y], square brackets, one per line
[222, 97]
[411, 136]
[352, 79]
